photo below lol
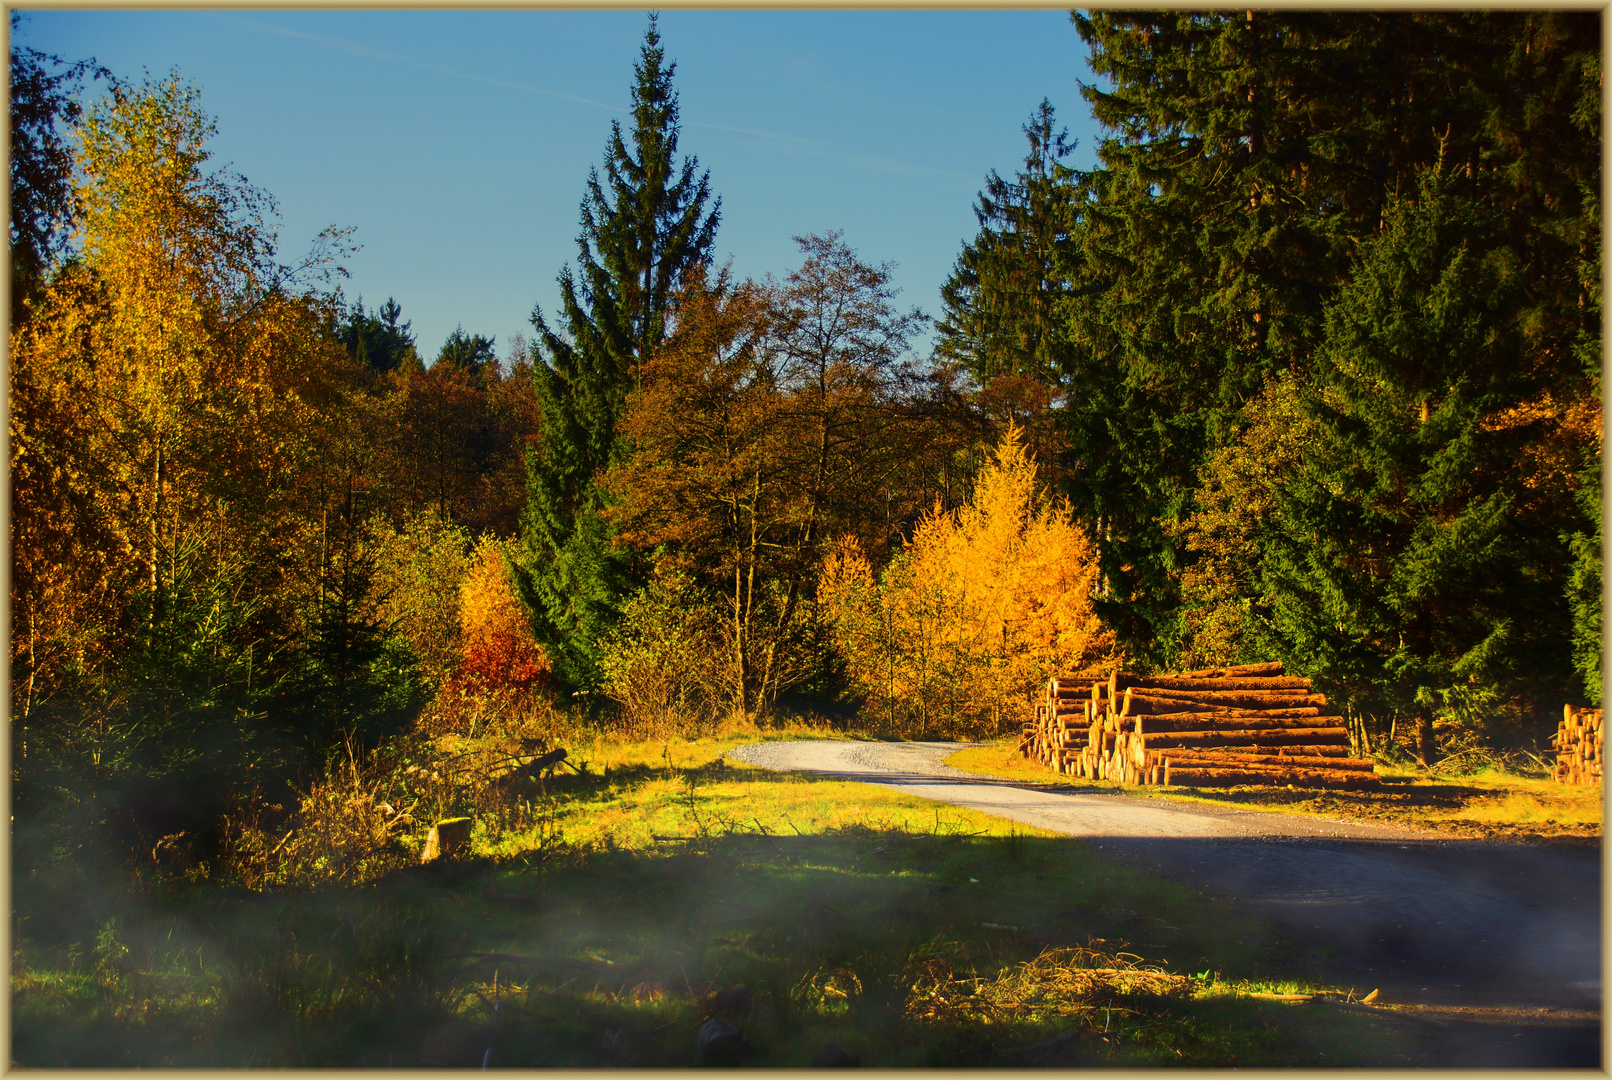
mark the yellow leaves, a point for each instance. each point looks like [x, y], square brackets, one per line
[158, 380]
[984, 603]
[487, 605]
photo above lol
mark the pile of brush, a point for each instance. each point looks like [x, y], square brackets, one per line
[1212, 728]
[1578, 746]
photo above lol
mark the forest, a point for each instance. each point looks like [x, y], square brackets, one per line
[1305, 368]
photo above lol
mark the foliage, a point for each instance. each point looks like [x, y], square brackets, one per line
[471, 353]
[420, 568]
[1246, 159]
[499, 653]
[1416, 553]
[644, 226]
[712, 487]
[984, 603]
[43, 98]
[661, 661]
[381, 340]
[851, 414]
[1222, 602]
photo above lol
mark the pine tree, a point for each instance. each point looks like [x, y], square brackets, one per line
[644, 225]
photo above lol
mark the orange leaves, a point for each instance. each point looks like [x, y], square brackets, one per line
[498, 651]
[983, 604]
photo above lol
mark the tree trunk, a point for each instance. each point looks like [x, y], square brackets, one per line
[1427, 746]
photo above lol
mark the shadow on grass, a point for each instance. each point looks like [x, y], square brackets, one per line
[897, 947]
[872, 940]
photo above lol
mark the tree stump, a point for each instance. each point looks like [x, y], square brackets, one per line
[447, 838]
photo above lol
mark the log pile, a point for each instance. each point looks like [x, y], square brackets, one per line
[1212, 728]
[1063, 720]
[1578, 746]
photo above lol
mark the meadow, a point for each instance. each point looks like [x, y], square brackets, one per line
[659, 895]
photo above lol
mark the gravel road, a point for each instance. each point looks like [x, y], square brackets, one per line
[1470, 926]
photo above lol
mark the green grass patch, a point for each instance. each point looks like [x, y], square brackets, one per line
[663, 890]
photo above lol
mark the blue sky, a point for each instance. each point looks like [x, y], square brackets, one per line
[457, 143]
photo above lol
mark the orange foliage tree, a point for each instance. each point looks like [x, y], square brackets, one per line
[984, 603]
[499, 655]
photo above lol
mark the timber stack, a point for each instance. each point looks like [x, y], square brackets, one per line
[1218, 727]
[1578, 746]
[1063, 721]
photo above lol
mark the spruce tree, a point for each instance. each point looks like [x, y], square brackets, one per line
[1417, 559]
[1001, 301]
[645, 224]
[1247, 158]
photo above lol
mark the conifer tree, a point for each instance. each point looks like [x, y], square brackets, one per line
[645, 223]
[1247, 159]
[1001, 301]
[1417, 554]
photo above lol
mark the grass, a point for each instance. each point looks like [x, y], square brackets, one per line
[665, 889]
[1490, 804]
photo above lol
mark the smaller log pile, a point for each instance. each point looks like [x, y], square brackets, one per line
[1578, 746]
[1218, 727]
[1063, 720]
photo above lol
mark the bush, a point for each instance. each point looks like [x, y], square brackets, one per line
[659, 662]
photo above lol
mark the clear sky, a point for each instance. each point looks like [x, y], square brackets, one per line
[458, 142]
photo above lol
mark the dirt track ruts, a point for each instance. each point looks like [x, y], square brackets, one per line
[1426, 918]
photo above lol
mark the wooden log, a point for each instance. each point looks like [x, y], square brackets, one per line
[1273, 667]
[1137, 701]
[1297, 751]
[1232, 760]
[1336, 736]
[1063, 689]
[1253, 699]
[1200, 761]
[1194, 777]
[1229, 721]
[1170, 682]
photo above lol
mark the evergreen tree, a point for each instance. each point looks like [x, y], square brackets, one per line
[1247, 158]
[644, 226]
[1001, 301]
[1413, 560]
[471, 353]
[381, 339]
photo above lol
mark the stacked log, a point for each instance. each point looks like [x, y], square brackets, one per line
[1218, 727]
[1578, 746]
[1062, 719]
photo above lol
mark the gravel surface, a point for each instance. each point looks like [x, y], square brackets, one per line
[1504, 929]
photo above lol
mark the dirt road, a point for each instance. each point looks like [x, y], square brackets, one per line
[1502, 936]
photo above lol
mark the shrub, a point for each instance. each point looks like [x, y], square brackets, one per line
[659, 662]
